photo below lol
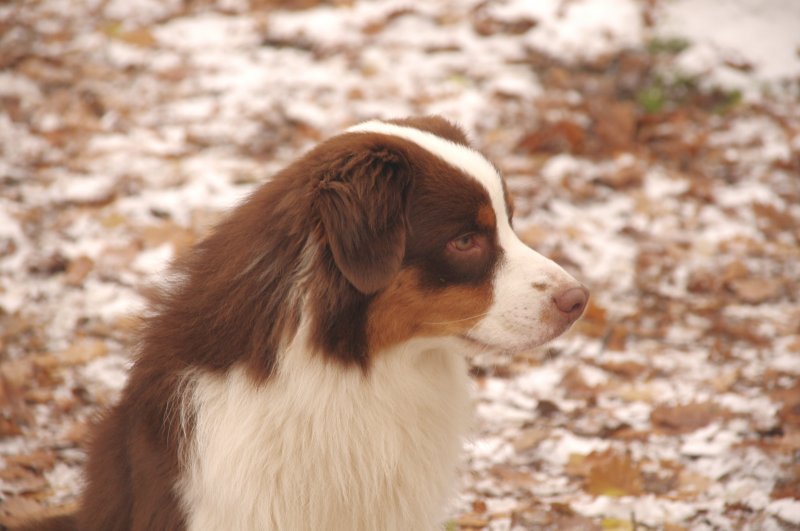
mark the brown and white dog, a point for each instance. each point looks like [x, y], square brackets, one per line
[306, 370]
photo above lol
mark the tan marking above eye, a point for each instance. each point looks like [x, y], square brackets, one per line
[486, 217]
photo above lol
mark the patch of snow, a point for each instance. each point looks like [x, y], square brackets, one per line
[786, 509]
[708, 441]
[716, 29]
[659, 185]
[647, 510]
[207, 31]
[563, 444]
[63, 479]
[540, 382]
[576, 29]
[108, 372]
[155, 260]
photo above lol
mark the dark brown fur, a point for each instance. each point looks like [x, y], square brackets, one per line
[369, 205]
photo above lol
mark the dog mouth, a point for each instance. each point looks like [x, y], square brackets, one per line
[504, 349]
[516, 345]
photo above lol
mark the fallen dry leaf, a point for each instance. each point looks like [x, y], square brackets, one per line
[554, 137]
[78, 270]
[80, 352]
[685, 418]
[614, 125]
[529, 438]
[626, 369]
[756, 290]
[612, 474]
[513, 475]
[13, 412]
[39, 461]
[472, 521]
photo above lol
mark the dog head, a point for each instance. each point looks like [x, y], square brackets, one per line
[419, 225]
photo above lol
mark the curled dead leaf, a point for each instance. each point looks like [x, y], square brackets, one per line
[756, 290]
[685, 418]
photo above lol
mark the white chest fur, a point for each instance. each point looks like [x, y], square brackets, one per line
[325, 447]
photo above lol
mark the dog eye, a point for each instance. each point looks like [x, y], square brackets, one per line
[467, 242]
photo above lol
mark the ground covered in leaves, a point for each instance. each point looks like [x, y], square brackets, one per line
[651, 152]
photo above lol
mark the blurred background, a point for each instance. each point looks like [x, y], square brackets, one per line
[653, 149]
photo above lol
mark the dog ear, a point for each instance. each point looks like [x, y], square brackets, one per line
[362, 202]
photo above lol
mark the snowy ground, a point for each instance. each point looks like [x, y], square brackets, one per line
[653, 148]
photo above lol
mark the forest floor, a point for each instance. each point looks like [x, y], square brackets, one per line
[653, 149]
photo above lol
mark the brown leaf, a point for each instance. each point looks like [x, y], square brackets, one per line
[738, 329]
[733, 271]
[513, 476]
[479, 506]
[77, 270]
[703, 281]
[614, 125]
[141, 37]
[788, 485]
[13, 412]
[594, 322]
[661, 482]
[723, 382]
[789, 399]
[16, 509]
[80, 352]
[626, 369]
[23, 479]
[575, 385]
[39, 461]
[529, 438]
[756, 290]
[578, 465]
[685, 418]
[472, 521]
[486, 26]
[774, 218]
[611, 474]
[77, 433]
[554, 137]
[617, 337]
[625, 177]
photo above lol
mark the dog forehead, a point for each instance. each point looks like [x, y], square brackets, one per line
[461, 157]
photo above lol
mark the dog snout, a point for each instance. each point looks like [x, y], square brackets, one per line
[571, 301]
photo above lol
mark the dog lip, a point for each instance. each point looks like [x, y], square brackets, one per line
[477, 342]
[510, 350]
[522, 345]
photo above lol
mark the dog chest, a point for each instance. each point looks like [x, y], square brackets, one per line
[321, 446]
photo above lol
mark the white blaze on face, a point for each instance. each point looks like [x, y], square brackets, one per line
[523, 314]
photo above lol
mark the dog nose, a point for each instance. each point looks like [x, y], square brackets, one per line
[572, 301]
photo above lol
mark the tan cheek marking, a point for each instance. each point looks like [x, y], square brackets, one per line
[486, 217]
[404, 311]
